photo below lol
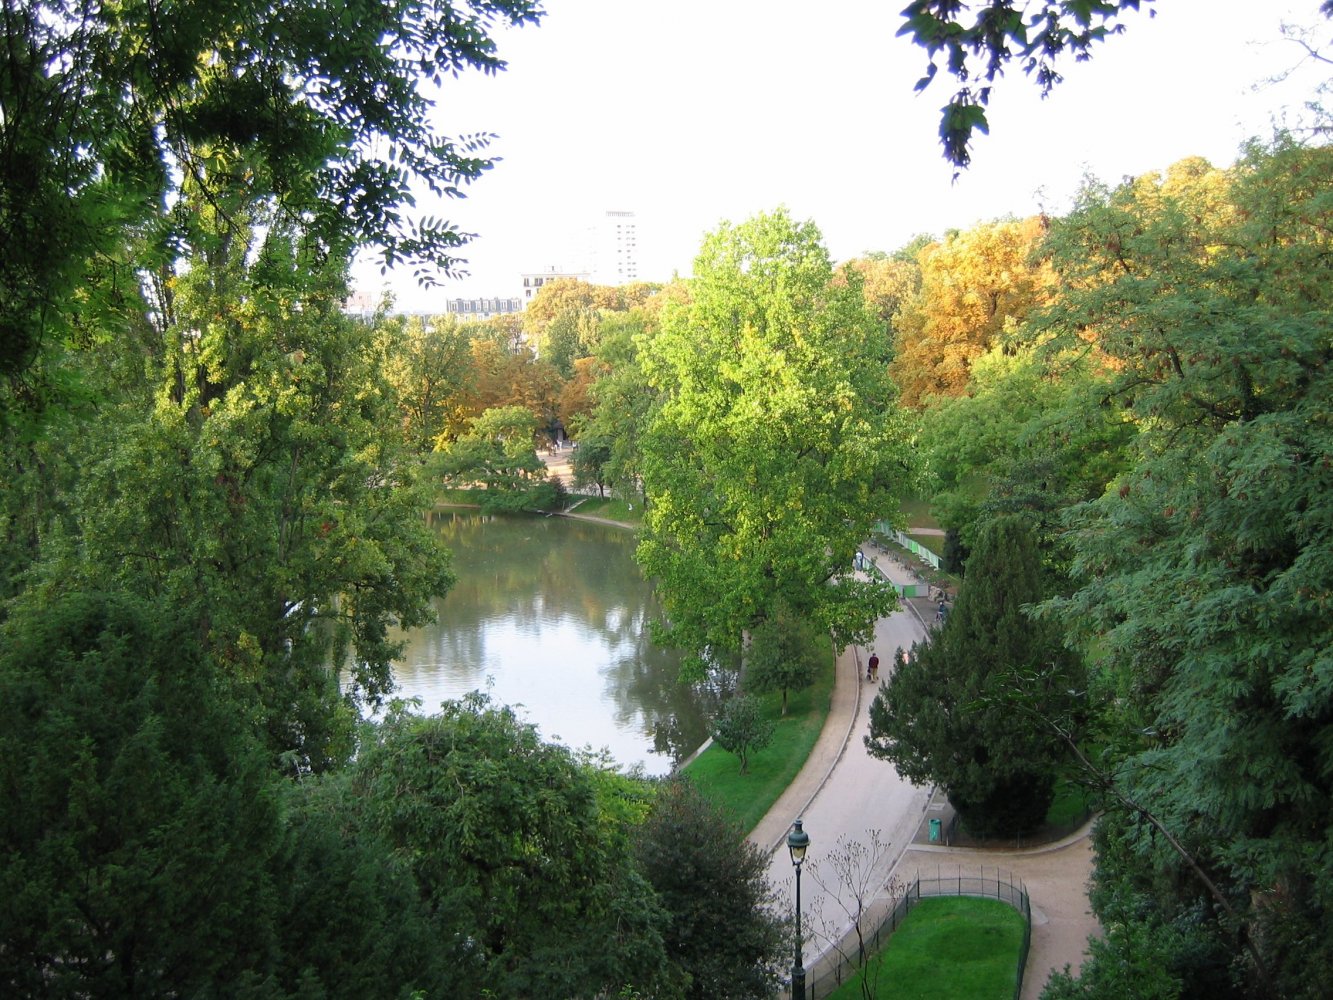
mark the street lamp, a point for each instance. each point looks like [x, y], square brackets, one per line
[797, 842]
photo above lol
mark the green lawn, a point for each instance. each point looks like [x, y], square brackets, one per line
[917, 513]
[457, 498]
[935, 543]
[748, 797]
[954, 947]
[612, 508]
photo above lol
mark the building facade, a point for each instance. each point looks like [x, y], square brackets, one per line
[483, 308]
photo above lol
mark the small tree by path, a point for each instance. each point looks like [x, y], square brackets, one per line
[740, 727]
[783, 655]
[847, 876]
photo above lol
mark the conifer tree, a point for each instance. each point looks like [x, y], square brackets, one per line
[946, 716]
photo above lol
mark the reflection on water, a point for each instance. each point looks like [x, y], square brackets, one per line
[552, 614]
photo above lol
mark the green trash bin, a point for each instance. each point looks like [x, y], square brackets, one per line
[934, 830]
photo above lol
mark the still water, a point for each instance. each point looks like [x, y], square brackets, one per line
[550, 615]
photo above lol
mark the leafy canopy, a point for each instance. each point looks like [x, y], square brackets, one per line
[773, 445]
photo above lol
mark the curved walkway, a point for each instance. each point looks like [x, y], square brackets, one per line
[844, 795]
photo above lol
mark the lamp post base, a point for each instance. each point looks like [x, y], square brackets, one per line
[798, 983]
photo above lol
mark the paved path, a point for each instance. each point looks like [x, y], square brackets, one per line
[844, 795]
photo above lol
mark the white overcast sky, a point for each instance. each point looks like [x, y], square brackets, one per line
[697, 111]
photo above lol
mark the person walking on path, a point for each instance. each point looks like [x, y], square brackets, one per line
[872, 667]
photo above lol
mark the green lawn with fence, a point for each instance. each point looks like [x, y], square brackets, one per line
[947, 948]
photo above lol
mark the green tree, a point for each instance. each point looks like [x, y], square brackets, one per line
[140, 817]
[531, 885]
[946, 716]
[566, 338]
[783, 655]
[350, 921]
[497, 454]
[430, 368]
[724, 937]
[741, 728]
[111, 110]
[252, 477]
[1204, 570]
[1028, 436]
[621, 401]
[773, 446]
[590, 461]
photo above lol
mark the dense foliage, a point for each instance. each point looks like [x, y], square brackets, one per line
[211, 530]
[1205, 569]
[111, 110]
[726, 942]
[1161, 421]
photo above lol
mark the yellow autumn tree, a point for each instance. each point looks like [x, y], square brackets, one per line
[973, 285]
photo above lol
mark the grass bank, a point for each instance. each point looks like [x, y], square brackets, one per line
[611, 508]
[748, 797]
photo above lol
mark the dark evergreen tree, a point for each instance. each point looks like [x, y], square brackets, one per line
[140, 816]
[948, 717]
[955, 552]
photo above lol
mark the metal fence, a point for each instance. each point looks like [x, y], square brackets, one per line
[910, 544]
[850, 955]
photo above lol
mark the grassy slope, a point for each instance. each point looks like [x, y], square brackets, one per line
[748, 797]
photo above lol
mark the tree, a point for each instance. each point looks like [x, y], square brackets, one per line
[110, 111]
[350, 922]
[888, 281]
[740, 728]
[783, 655]
[430, 368]
[978, 42]
[1026, 437]
[246, 471]
[621, 400]
[973, 288]
[773, 446]
[1203, 570]
[590, 461]
[533, 892]
[497, 454]
[724, 937]
[946, 717]
[141, 817]
[851, 876]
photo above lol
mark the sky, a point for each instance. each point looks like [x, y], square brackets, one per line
[702, 111]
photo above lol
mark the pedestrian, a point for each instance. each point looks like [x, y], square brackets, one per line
[872, 667]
